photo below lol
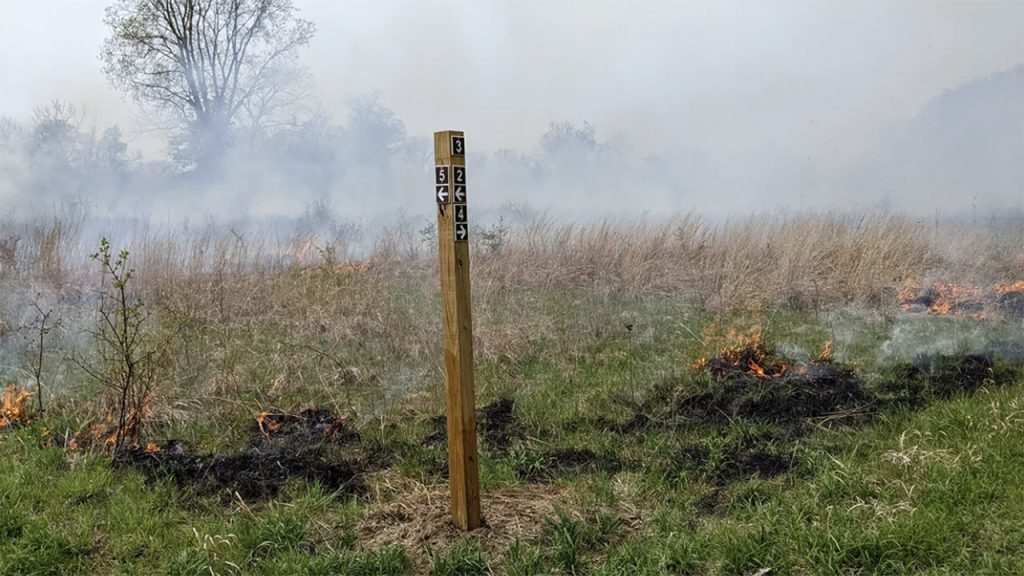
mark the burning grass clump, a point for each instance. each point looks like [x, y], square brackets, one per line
[751, 381]
[13, 406]
[1010, 298]
[282, 448]
[310, 427]
[956, 299]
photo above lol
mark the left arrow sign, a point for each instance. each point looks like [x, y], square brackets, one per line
[442, 194]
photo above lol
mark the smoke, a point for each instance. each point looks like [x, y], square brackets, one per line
[580, 109]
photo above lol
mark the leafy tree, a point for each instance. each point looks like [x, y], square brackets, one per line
[206, 64]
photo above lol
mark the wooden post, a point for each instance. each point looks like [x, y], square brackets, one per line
[453, 251]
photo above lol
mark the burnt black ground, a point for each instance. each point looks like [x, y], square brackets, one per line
[496, 423]
[253, 474]
[283, 448]
[747, 426]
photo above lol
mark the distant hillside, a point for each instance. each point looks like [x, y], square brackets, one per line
[966, 143]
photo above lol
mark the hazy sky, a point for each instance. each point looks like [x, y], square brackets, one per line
[752, 84]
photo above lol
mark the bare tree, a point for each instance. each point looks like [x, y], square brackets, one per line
[42, 327]
[205, 63]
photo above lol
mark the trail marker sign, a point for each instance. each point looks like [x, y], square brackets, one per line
[460, 393]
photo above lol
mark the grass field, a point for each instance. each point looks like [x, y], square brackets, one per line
[607, 445]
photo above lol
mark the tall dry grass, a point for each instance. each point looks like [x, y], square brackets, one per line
[254, 320]
[803, 260]
[800, 261]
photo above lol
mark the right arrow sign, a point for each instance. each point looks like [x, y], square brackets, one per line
[461, 232]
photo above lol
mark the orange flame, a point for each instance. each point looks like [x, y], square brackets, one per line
[1005, 288]
[350, 267]
[952, 296]
[756, 369]
[908, 294]
[267, 424]
[152, 448]
[12, 406]
[826, 353]
[746, 353]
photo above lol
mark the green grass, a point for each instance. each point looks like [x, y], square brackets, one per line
[934, 488]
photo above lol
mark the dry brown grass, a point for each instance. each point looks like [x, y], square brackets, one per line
[761, 260]
[416, 517]
[755, 262]
[256, 323]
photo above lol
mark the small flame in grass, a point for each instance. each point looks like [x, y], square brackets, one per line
[756, 369]
[746, 354]
[267, 424]
[1005, 288]
[152, 448]
[351, 267]
[12, 406]
[826, 353]
[908, 294]
[955, 297]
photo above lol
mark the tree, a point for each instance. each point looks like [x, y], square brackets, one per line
[205, 63]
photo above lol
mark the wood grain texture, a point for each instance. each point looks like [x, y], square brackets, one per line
[456, 305]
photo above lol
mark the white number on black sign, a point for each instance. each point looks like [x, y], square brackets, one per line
[440, 174]
[458, 146]
[461, 232]
[460, 175]
[460, 214]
